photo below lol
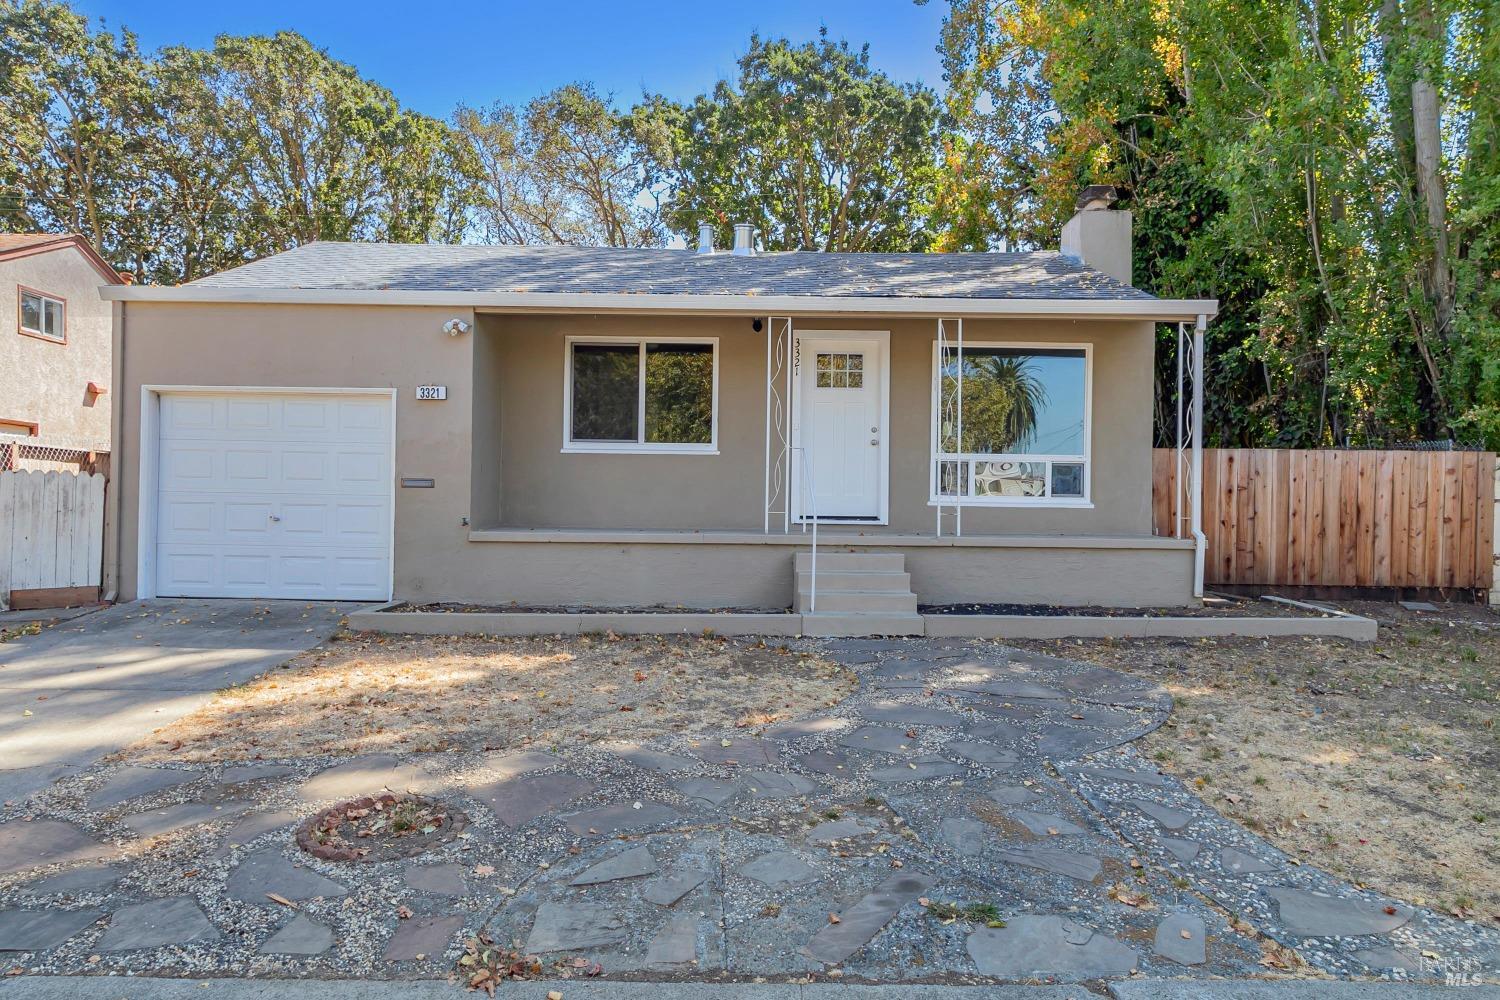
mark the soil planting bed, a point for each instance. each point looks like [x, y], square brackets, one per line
[382, 827]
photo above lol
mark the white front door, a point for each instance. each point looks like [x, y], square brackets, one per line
[274, 495]
[841, 417]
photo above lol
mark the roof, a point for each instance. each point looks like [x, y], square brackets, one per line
[14, 245]
[650, 281]
[560, 270]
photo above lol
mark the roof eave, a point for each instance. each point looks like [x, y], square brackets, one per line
[1162, 310]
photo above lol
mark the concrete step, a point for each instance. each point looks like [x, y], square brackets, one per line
[852, 562]
[869, 602]
[838, 624]
[843, 580]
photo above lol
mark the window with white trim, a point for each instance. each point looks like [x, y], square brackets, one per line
[642, 395]
[1024, 414]
[42, 315]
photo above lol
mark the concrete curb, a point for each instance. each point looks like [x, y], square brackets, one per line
[1338, 625]
[1229, 989]
[121, 988]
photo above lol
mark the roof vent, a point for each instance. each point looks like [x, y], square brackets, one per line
[744, 239]
[705, 237]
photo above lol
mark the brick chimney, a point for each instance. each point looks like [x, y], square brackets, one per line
[1098, 235]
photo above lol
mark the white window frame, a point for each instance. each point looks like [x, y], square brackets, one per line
[1047, 500]
[640, 446]
[61, 337]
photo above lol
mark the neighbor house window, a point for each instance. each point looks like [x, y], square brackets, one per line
[642, 395]
[43, 316]
[1024, 415]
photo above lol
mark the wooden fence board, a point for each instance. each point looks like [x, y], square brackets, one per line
[51, 532]
[1341, 518]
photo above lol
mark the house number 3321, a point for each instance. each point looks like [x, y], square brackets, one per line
[432, 392]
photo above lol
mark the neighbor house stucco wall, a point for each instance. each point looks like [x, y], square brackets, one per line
[544, 487]
[45, 382]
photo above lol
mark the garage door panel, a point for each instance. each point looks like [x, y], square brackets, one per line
[274, 495]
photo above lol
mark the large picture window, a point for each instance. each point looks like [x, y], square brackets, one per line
[1024, 414]
[642, 395]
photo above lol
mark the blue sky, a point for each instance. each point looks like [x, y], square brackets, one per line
[434, 55]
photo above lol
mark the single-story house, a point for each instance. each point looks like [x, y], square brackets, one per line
[560, 426]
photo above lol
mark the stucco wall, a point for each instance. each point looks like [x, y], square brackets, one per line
[542, 487]
[494, 450]
[44, 382]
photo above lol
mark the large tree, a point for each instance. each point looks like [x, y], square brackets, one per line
[565, 168]
[1311, 163]
[809, 144]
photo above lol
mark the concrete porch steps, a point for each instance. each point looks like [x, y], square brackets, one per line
[859, 593]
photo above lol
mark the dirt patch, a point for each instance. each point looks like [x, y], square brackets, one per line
[367, 693]
[1379, 762]
[380, 828]
[1213, 607]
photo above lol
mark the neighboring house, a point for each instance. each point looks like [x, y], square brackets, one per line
[55, 362]
[552, 426]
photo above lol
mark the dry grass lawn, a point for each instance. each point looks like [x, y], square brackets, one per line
[367, 693]
[1379, 762]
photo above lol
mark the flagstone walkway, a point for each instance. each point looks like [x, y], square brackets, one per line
[961, 778]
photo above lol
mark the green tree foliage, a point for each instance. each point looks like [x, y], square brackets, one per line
[566, 168]
[1325, 168]
[810, 145]
[190, 161]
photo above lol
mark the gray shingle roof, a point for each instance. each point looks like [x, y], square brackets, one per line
[589, 270]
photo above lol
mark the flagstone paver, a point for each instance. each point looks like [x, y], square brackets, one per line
[519, 800]
[1237, 861]
[76, 880]
[1048, 946]
[611, 820]
[366, 775]
[669, 888]
[177, 920]
[633, 863]
[302, 935]
[573, 926]
[268, 871]
[128, 783]
[26, 845]
[862, 921]
[959, 773]
[32, 930]
[170, 819]
[1317, 914]
[422, 937]
[746, 751]
[780, 868]
[1182, 938]
[437, 880]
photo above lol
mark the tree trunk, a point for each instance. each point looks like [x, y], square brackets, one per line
[1427, 134]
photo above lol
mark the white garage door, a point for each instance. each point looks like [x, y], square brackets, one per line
[284, 495]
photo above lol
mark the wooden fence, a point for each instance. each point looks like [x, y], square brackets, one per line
[1293, 518]
[51, 538]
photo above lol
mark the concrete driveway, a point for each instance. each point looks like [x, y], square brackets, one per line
[90, 685]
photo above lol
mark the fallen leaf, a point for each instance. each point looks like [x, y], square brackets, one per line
[403, 912]
[277, 898]
[833, 918]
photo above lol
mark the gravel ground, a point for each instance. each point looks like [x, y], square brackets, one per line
[1379, 762]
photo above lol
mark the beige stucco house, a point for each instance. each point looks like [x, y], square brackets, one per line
[55, 363]
[554, 426]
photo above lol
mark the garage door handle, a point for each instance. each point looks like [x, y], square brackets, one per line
[275, 518]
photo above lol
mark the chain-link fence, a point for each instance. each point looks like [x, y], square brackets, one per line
[25, 456]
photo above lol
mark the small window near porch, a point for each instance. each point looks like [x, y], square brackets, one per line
[1011, 426]
[642, 396]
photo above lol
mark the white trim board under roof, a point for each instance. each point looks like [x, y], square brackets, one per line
[597, 280]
